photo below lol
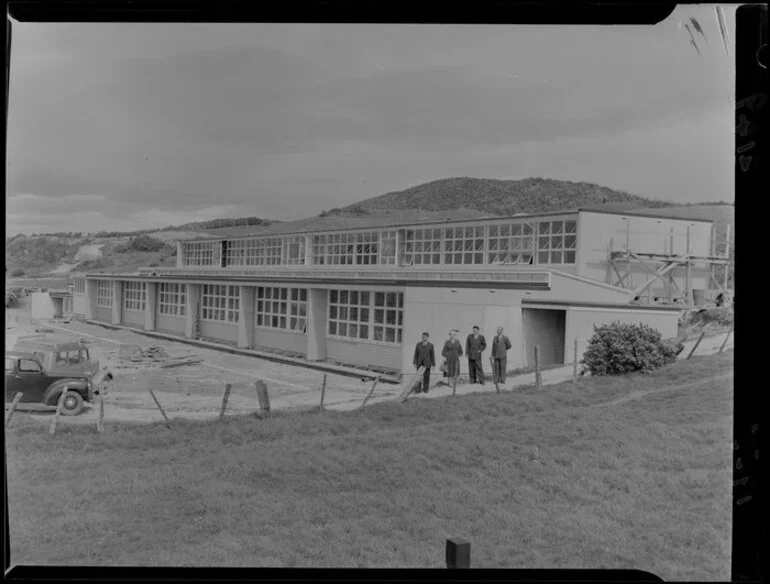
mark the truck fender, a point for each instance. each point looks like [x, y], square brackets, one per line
[51, 395]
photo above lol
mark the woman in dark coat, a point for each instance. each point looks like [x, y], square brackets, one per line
[452, 351]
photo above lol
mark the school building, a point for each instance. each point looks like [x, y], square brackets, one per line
[361, 296]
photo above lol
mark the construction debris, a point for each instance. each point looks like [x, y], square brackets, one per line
[134, 355]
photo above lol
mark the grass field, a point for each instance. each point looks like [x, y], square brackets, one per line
[534, 479]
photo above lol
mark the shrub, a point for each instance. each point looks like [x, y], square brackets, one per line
[143, 242]
[17, 272]
[619, 348]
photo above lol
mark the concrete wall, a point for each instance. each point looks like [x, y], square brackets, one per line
[364, 354]
[645, 234]
[545, 328]
[317, 310]
[580, 323]
[79, 304]
[151, 306]
[246, 316]
[437, 310]
[103, 314]
[41, 305]
[170, 324]
[135, 318]
[220, 331]
[295, 342]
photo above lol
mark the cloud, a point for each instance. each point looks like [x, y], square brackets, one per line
[282, 121]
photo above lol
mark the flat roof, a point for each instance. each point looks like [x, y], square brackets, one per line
[591, 304]
[333, 223]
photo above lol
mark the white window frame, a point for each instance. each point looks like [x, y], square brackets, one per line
[556, 240]
[202, 253]
[104, 293]
[220, 303]
[361, 309]
[464, 245]
[172, 299]
[281, 308]
[79, 287]
[134, 296]
[510, 243]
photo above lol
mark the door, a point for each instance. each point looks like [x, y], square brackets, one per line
[28, 379]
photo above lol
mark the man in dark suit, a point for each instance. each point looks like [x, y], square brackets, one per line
[424, 356]
[474, 346]
[500, 346]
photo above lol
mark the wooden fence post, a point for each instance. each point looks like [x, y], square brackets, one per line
[225, 397]
[458, 553]
[59, 406]
[323, 392]
[538, 378]
[575, 363]
[160, 407]
[376, 379]
[700, 338]
[454, 385]
[100, 419]
[727, 336]
[14, 403]
[263, 397]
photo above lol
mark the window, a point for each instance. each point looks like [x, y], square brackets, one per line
[388, 247]
[104, 293]
[134, 295]
[349, 313]
[202, 253]
[366, 316]
[282, 308]
[295, 250]
[29, 366]
[80, 286]
[464, 245]
[422, 246]
[172, 299]
[220, 303]
[510, 243]
[556, 242]
[388, 316]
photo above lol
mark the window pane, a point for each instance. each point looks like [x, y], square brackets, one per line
[555, 257]
[544, 228]
[343, 329]
[557, 227]
[364, 315]
[363, 331]
[377, 333]
[344, 297]
[378, 315]
[333, 296]
[353, 330]
[569, 241]
[354, 297]
[569, 257]
[390, 335]
[556, 241]
[390, 317]
[379, 298]
[542, 257]
[570, 227]
[353, 313]
[343, 312]
[332, 312]
[542, 242]
[332, 327]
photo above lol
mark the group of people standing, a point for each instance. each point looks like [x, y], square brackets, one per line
[475, 345]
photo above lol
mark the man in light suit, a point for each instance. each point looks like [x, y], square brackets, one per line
[500, 347]
[475, 344]
[424, 356]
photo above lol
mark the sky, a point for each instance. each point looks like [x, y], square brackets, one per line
[139, 125]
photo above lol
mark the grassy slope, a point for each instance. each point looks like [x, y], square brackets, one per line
[504, 197]
[645, 484]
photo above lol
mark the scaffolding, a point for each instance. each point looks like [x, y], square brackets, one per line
[661, 266]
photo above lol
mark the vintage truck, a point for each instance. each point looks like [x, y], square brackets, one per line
[41, 369]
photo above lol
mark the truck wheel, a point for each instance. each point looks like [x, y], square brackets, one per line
[73, 404]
